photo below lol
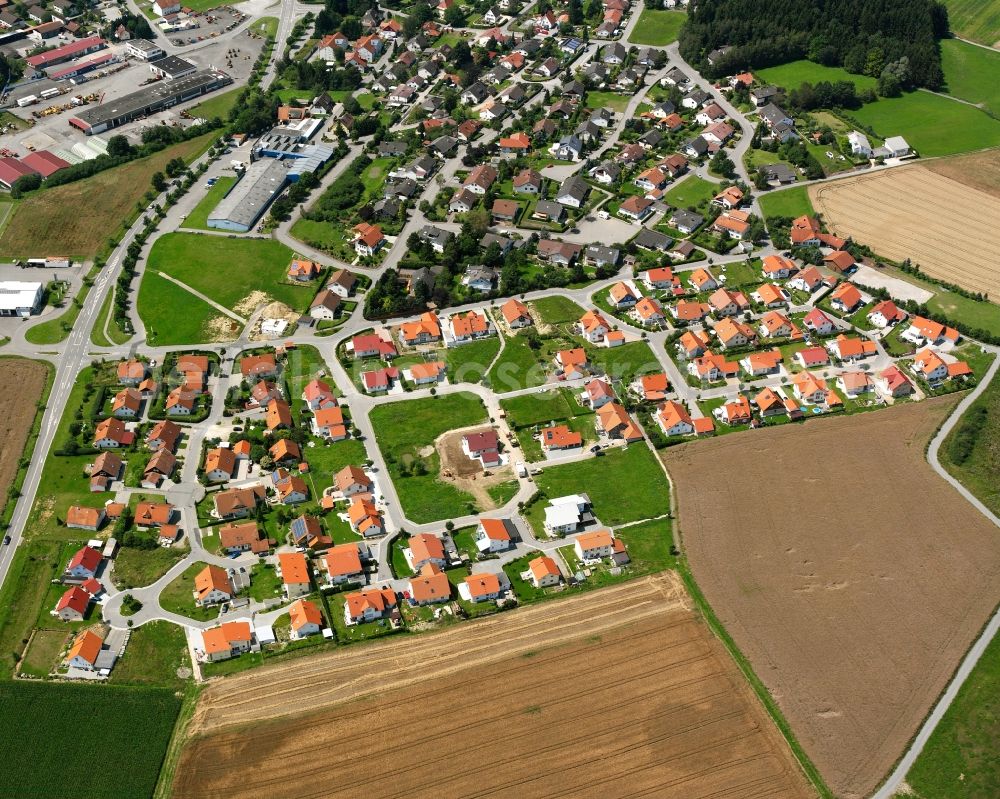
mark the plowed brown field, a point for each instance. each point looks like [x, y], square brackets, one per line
[17, 411]
[849, 573]
[623, 689]
[949, 229]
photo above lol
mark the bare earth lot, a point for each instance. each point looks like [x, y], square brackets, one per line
[849, 573]
[17, 410]
[571, 698]
[913, 212]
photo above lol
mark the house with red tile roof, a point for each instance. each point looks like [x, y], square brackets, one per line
[736, 412]
[851, 348]
[886, 314]
[83, 518]
[673, 419]
[230, 639]
[559, 437]
[364, 607]
[212, 586]
[425, 548]
[84, 651]
[305, 619]
[343, 564]
[483, 587]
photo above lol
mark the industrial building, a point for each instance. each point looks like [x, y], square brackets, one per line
[172, 67]
[60, 55]
[148, 100]
[246, 201]
[144, 49]
[19, 298]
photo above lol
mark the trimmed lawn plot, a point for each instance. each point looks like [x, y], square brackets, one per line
[528, 410]
[40, 656]
[236, 273]
[612, 100]
[118, 758]
[978, 20]
[556, 310]
[794, 73]
[657, 27]
[972, 73]
[198, 218]
[35, 563]
[67, 220]
[626, 485]
[218, 105]
[160, 305]
[467, 363]
[691, 192]
[634, 358]
[405, 432]
[518, 366]
[980, 314]
[303, 364]
[791, 202]
[325, 460]
[931, 124]
[154, 654]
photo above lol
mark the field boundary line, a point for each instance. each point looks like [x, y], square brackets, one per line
[700, 602]
[220, 308]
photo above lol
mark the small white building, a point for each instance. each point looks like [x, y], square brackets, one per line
[859, 144]
[565, 514]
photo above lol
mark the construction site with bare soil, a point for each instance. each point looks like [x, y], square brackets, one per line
[851, 575]
[570, 698]
[465, 473]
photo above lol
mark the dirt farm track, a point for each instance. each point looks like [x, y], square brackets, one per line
[881, 211]
[573, 698]
[849, 573]
[17, 409]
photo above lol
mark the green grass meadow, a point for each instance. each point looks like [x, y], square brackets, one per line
[978, 20]
[657, 27]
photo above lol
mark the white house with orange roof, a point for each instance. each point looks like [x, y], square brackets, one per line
[594, 545]
[926, 331]
[516, 314]
[305, 619]
[230, 639]
[572, 362]
[364, 607]
[495, 535]
[469, 326]
[593, 326]
[425, 548]
[737, 411]
[622, 295]
[542, 572]
[674, 420]
[484, 587]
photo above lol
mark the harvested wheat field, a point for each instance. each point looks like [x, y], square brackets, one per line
[17, 411]
[980, 171]
[849, 573]
[573, 698]
[912, 212]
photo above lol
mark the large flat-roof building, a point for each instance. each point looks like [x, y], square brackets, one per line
[246, 201]
[144, 49]
[172, 67]
[148, 100]
[19, 298]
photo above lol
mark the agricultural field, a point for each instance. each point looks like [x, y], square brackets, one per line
[795, 73]
[791, 202]
[17, 413]
[676, 709]
[838, 613]
[933, 125]
[971, 73]
[878, 210]
[657, 27]
[978, 20]
[980, 171]
[971, 452]
[119, 757]
[65, 219]
[959, 761]
[406, 433]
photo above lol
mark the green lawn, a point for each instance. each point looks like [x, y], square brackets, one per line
[931, 124]
[794, 73]
[155, 651]
[791, 202]
[177, 597]
[218, 105]
[135, 568]
[198, 218]
[517, 367]
[557, 310]
[404, 432]
[657, 27]
[979, 314]
[264, 582]
[625, 485]
[228, 270]
[528, 410]
[960, 759]
[972, 73]
[467, 363]
[978, 20]
[612, 100]
[107, 762]
[634, 358]
[34, 565]
[649, 544]
[969, 453]
[158, 303]
[690, 192]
